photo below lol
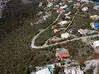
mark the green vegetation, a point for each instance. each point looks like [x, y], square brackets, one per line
[48, 33]
[89, 72]
[56, 70]
[17, 54]
[78, 49]
[15, 39]
[98, 72]
[14, 16]
[16, 33]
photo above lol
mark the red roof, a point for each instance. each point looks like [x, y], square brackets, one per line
[96, 55]
[61, 54]
[60, 9]
[53, 27]
[78, 3]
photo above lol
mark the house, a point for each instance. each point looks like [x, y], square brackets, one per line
[48, 69]
[84, 1]
[70, 1]
[67, 15]
[94, 17]
[95, 25]
[62, 53]
[53, 27]
[49, 4]
[96, 7]
[73, 70]
[95, 44]
[65, 35]
[63, 22]
[51, 67]
[44, 71]
[77, 4]
[61, 8]
[55, 30]
[86, 31]
[84, 9]
[45, 17]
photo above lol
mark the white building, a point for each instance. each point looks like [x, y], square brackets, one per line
[94, 17]
[63, 22]
[65, 35]
[85, 9]
[49, 4]
[43, 71]
[96, 7]
[84, 1]
[63, 7]
[73, 70]
[95, 44]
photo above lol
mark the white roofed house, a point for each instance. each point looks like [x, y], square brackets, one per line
[95, 45]
[94, 17]
[84, 1]
[63, 22]
[49, 4]
[67, 15]
[73, 70]
[63, 7]
[65, 35]
[96, 7]
[84, 9]
[44, 71]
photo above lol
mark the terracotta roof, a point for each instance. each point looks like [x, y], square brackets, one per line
[61, 54]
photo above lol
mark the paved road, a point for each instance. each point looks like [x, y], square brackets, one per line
[35, 37]
[45, 45]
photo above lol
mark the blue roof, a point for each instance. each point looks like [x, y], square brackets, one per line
[61, 49]
[96, 0]
[96, 24]
[50, 67]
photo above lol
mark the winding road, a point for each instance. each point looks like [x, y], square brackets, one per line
[45, 45]
[36, 36]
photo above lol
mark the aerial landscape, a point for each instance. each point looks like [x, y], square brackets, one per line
[49, 36]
